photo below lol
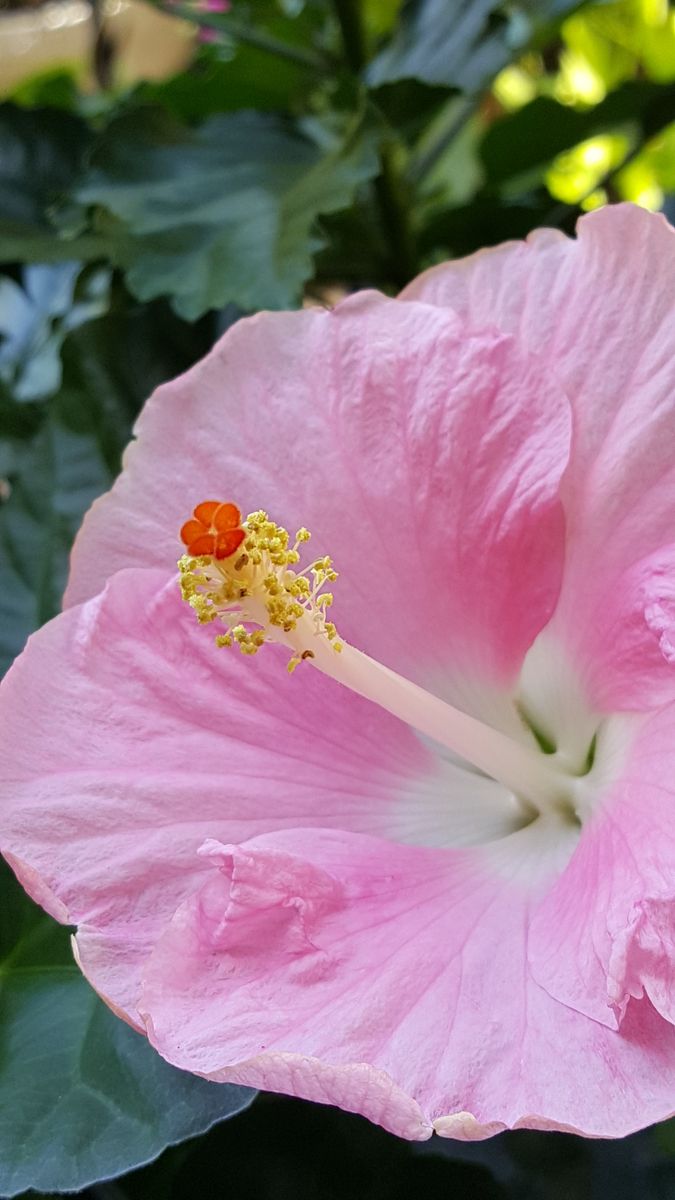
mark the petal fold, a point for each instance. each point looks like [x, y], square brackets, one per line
[332, 949]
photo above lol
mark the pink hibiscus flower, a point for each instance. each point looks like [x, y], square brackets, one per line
[429, 874]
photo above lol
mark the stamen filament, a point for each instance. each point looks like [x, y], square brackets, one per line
[243, 574]
[519, 768]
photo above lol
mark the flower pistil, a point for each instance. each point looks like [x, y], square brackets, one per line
[257, 593]
[243, 573]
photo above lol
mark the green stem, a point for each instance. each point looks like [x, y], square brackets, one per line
[353, 34]
[390, 192]
[253, 37]
[459, 112]
[389, 185]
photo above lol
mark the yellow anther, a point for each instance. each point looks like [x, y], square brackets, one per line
[258, 595]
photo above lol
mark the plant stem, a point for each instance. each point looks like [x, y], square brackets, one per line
[389, 185]
[460, 110]
[249, 36]
[353, 35]
[390, 192]
[103, 49]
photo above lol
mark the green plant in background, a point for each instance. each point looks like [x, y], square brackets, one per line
[311, 147]
[605, 49]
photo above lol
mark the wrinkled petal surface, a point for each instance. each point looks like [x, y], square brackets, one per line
[602, 309]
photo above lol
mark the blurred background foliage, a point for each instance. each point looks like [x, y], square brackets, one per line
[165, 169]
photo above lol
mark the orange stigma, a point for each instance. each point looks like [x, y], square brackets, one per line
[214, 530]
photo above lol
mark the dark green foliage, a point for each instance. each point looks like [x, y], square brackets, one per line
[463, 44]
[221, 214]
[56, 457]
[531, 137]
[42, 153]
[82, 1096]
[282, 1149]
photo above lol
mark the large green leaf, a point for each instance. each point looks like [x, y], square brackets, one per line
[463, 43]
[82, 1096]
[223, 213]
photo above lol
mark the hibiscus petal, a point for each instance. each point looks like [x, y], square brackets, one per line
[606, 932]
[601, 309]
[390, 979]
[127, 737]
[393, 981]
[425, 460]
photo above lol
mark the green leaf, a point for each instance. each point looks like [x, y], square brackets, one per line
[73, 452]
[111, 366]
[486, 221]
[533, 136]
[356, 249]
[35, 318]
[42, 153]
[225, 213]
[52, 480]
[82, 1096]
[659, 157]
[463, 43]
[226, 79]
[411, 107]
